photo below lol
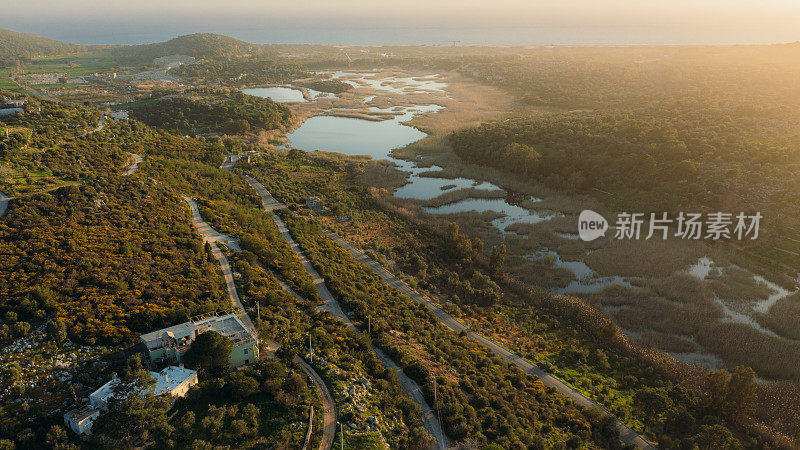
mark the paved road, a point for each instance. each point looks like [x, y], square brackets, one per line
[410, 387]
[32, 90]
[329, 407]
[3, 203]
[212, 236]
[137, 159]
[627, 435]
[267, 200]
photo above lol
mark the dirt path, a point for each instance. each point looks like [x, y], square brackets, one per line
[100, 124]
[410, 387]
[137, 159]
[212, 236]
[627, 435]
[329, 407]
[3, 203]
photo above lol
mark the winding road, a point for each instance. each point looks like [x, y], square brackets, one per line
[212, 236]
[410, 387]
[329, 407]
[626, 434]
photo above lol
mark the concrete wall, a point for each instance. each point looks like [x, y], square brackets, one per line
[244, 354]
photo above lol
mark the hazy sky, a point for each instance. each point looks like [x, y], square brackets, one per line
[412, 21]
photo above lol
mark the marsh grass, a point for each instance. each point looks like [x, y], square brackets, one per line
[669, 342]
[462, 194]
[382, 175]
[682, 288]
[784, 317]
[643, 258]
[737, 285]
[740, 344]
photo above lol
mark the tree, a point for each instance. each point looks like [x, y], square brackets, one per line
[56, 436]
[419, 439]
[741, 394]
[57, 330]
[135, 416]
[717, 392]
[210, 352]
[497, 259]
[240, 386]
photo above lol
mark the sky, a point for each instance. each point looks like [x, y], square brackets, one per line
[412, 21]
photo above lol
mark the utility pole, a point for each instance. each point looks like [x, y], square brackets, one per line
[310, 349]
[341, 434]
[369, 325]
[258, 310]
[436, 404]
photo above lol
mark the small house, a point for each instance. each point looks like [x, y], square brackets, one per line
[315, 204]
[80, 420]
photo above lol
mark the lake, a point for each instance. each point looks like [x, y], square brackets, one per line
[284, 94]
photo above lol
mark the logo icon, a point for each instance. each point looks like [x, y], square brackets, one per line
[591, 225]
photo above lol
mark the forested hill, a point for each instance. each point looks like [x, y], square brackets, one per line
[18, 45]
[212, 112]
[198, 45]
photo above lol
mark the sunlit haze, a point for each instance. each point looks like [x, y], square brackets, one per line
[413, 21]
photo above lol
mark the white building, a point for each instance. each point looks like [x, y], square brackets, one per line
[174, 381]
[80, 420]
[10, 111]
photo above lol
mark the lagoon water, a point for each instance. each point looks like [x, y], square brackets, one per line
[353, 136]
[511, 213]
[277, 93]
[378, 138]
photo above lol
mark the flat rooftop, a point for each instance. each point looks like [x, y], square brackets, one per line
[225, 325]
[177, 331]
[78, 415]
[170, 378]
[228, 325]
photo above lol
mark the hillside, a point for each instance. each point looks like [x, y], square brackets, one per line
[16, 45]
[198, 45]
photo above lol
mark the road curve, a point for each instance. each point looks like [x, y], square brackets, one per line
[626, 434]
[410, 387]
[136, 160]
[3, 203]
[329, 407]
[212, 236]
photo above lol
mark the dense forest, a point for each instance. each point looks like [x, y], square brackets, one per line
[198, 45]
[649, 163]
[658, 128]
[332, 86]
[219, 112]
[242, 71]
[23, 45]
